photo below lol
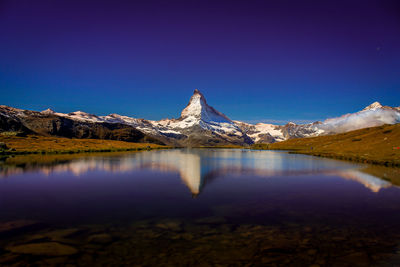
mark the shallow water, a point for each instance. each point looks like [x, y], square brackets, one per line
[197, 207]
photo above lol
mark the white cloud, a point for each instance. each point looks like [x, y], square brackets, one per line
[359, 120]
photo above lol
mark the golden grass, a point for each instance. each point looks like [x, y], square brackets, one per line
[41, 144]
[371, 145]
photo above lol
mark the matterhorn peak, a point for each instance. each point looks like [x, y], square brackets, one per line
[373, 106]
[197, 104]
[199, 109]
[198, 97]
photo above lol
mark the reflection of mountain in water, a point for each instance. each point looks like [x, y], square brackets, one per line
[197, 167]
[373, 183]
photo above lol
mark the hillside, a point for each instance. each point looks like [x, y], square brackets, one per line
[378, 145]
[43, 144]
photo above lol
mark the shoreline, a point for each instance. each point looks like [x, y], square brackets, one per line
[375, 145]
[351, 158]
[49, 145]
[60, 152]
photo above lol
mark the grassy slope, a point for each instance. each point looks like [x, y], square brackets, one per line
[41, 144]
[372, 145]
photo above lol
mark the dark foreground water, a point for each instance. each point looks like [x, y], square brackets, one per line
[199, 207]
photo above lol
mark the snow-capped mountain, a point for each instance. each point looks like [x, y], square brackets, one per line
[198, 109]
[199, 124]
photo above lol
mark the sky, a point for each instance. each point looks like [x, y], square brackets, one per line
[256, 61]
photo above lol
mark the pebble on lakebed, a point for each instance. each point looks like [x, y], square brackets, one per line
[172, 225]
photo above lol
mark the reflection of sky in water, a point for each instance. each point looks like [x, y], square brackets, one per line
[197, 166]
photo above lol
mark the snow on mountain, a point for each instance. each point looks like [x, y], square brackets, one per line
[199, 113]
[83, 116]
[199, 109]
[262, 132]
[373, 106]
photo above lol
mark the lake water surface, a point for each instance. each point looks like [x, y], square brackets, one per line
[197, 207]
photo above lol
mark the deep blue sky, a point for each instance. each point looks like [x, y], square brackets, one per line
[253, 60]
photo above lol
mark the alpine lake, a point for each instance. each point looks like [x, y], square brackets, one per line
[197, 207]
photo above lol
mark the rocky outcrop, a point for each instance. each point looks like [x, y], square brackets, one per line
[50, 124]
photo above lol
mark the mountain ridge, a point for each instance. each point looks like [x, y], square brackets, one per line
[199, 124]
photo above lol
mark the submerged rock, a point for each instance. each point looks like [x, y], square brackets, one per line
[44, 249]
[55, 235]
[170, 225]
[61, 233]
[100, 238]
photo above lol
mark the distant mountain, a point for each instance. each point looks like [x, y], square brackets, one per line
[199, 124]
[372, 115]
